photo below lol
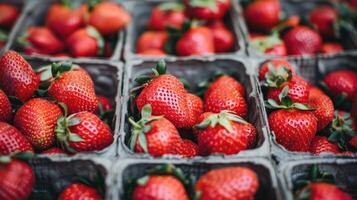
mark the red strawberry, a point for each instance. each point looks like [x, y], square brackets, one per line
[62, 55]
[302, 40]
[159, 187]
[228, 183]
[342, 82]
[196, 41]
[169, 14]
[207, 9]
[8, 14]
[343, 130]
[105, 103]
[324, 18]
[5, 108]
[17, 77]
[323, 105]
[325, 191]
[151, 40]
[225, 93]
[63, 20]
[262, 16]
[153, 52]
[271, 44]
[186, 148]
[12, 140]
[223, 38]
[276, 64]
[168, 97]
[321, 145]
[223, 133]
[85, 42]
[17, 180]
[79, 191]
[83, 131]
[54, 151]
[36, 119]
[105, 12]
[331, 48]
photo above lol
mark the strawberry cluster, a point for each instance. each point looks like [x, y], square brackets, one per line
[303, 117]
[215, 122]
[8, 17]
[71, 30]
[193, 27]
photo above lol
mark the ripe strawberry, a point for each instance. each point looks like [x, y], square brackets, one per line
[83, 131]
[169, 14]
[270, 45]
[105, 12]
[16, 76]
[79, 191]
[85, 42]
[8, 14]
[228, 183]
[62, 55]
[153, 52]
[225, 93]
[105, 103]
[223, 38]
[186, 148]
[324, 18]
[323, 105]
[17, 180]
[168, 97]
[151, 40]
[331, 48]
[321, 144]
[196, 41]
[276, 64]
[36, 119]
[159, 187]
[5, 108]
[53, 151]
[262, 16]
[342, 82]
[223, 133]
[324, 191]
[63, 20]
[302, 40]
[343, 130]
[12, 140]
[207, 9]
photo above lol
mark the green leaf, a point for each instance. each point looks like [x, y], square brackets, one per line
[301, 106]
[75, 137]
[226, 124]
[45, 75]
[142, 181]
[334, 137]
[161, 67]
[143, 142]
[143, 79]
[304, 194]
[64, 108]
[284, 92]
[5, 159]
[147, 128]
[168, 6]
[210, 4]
[23, 155]
[204, 124]
[146, 111]
[96, 35]
[133, 139]
[74, 121]
[3, 35]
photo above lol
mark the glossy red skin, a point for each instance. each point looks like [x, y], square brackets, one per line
[238, 183]
[5, 108]
[331, 48]
[205, 13]
[160, 187]
[196, 41]
[17, 180]
[8, 14]
[277, 64]
[160, 19]
[326, 191]
[324, 112]
[17, 77]
[223, 38]
[302, 40]
[293, 129]
[153, 52]
[54, 151]
[81, 44]
[151, 40]
[62, 55]
[44, 40]
[186, 148]
[342, 81]
[63, 20]
[95, 133]
[323, 18]
[276, 50]
[12, 140]
[228, 82]
[29, 50]
[79, 191]
[321, 145]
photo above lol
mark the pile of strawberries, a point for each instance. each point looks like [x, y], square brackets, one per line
[8, 17]
[51, 111]
[70, 30]
[317, 32]
[193, 27]
[303, 117]
[216, 123]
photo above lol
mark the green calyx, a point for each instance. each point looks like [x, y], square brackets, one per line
[105, 116]
[3, 35]
[96, 35]
[210, 4]
[172, 6]
[140, 127]
[341, 130]
[224, 118]
[286, 102]
[263, 44]
[4, 159]
[22, 40]
[275, 78]
[158, 70]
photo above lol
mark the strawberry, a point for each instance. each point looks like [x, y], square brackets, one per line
[36, 119]
[324, 18]
[79, 191]
[12, 140]
[228, 183]
[223, 38]
[276, 64]
[169, 14]
[62, 55]
[196, 41]
[207, 9]
[168, 97]
[262, 16]
[83, 131]
[323, 105]
[85, 42]
[63, 19]
[302, 40]
[325, 191]
[153, 52]
[342, 82]
[343, 130]
[16, 76]
[163, 187]
[54, 151]
[105, 12]
[5, 108]
[354, 107]
[104, 103]
[225, 93]
[331, 48]
[321, 144]
[186, 148]
[17, 180]
[268, 44]
[8, 14]
[151, 40]
[224, 133]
